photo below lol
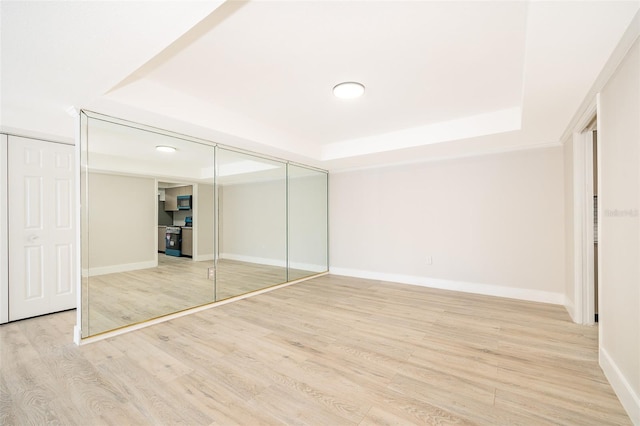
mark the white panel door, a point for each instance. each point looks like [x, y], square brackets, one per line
[41, 227]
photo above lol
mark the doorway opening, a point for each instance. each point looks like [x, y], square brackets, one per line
[586, 222]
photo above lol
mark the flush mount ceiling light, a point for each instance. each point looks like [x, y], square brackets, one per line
[348, 90]
[165, 148]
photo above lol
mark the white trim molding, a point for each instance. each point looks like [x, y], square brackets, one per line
[203, 257]
[571, 309]
[4, 237]
[461, 286]
[583, 228]
[313, 267]
[629, 399]
[583, 308]
[125, 267]
[253, 259]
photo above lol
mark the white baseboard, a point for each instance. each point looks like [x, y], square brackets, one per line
[571, 309]
[253, 259]
[466, 287]
[309, 267]
[629, 399]
[93, 272]
[112, 269]
[77, 334]
[203, 258]
[274, 262]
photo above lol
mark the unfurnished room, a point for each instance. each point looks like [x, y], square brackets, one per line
[320, 212]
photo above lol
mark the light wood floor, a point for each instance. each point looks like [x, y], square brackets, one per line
[328, 351]
[177, 283]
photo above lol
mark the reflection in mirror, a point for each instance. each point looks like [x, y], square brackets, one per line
[252, 220]
[133, 268]
[307, 207]
[162, 232]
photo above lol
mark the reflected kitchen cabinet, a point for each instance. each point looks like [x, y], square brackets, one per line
[171, 199]
[171, 196]
[187, 241]
[162, 242]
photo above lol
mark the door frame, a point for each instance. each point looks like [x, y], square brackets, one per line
[583, 219]
[4, 229]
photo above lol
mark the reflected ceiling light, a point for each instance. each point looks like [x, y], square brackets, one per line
[165, 148]
[348, 90]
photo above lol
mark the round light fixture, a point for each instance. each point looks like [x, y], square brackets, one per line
[348, 90]
[165, 148]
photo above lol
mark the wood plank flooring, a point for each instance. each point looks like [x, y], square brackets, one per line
[177, 283]
[328, 351]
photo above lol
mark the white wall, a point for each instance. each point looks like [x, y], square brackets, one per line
[180, 216]
[253, 222]
[492, 224]
[569, 289]
[4, 243]
[122, 223]
[203, 217]
[619, 240]
[307, 217]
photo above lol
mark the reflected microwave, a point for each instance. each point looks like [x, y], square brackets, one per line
[184, 202]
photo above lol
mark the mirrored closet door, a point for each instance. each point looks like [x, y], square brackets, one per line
[143, 255]
[170, 222]
[252, 223]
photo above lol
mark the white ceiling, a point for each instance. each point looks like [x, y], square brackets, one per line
[443, 78]
[116, 147]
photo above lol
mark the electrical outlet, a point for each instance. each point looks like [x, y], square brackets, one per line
[211, 273]
[429, 260]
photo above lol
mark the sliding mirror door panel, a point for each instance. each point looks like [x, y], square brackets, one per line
[143, 255]
[170, 222]
[252, 223]
[84, 227]
[307, 222]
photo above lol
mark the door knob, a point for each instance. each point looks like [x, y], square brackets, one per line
[33, 238]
